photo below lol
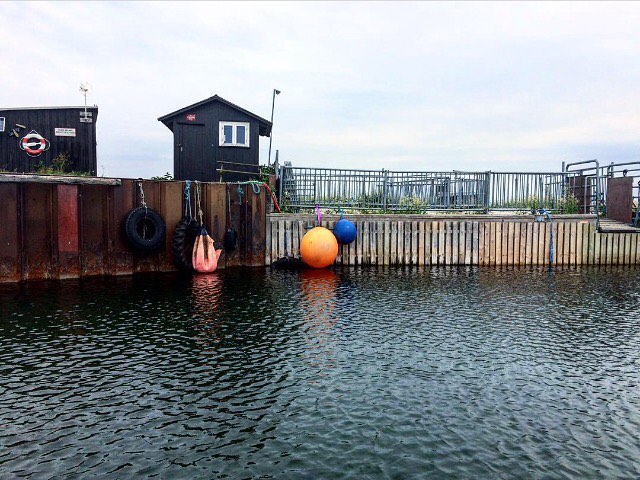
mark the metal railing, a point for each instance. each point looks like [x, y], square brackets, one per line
[386, 190]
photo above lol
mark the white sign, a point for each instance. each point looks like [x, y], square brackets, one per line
[65, 132]
[86, 120]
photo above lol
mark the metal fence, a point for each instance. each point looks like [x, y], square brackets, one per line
[303, 188]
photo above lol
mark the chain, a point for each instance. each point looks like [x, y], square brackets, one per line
[146, 210]
[142, 202]
[199, 200]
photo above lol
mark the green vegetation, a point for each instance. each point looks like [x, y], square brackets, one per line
[59, 165]
[164, 178]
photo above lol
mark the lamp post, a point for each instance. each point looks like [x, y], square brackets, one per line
[273, 103]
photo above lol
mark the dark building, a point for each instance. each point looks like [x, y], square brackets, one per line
[31, 137]
[215, 134]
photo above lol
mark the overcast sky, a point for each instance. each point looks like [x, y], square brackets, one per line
[409, 86]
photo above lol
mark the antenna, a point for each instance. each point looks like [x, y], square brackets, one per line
[85, 89]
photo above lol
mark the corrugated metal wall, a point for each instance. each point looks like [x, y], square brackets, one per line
[52, 231]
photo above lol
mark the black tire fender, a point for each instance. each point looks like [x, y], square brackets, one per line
[182, 243]
[145, 229]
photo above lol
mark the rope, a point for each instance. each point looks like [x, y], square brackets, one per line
[198, 189]
[255, 186]
[187, 198]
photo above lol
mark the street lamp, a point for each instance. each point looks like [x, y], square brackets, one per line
[273, 103]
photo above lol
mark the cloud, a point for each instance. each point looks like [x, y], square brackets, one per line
[370, 85]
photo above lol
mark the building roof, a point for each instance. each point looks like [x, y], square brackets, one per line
[93, 107]
[265, 125]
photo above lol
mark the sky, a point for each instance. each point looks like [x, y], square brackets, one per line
[403, 86]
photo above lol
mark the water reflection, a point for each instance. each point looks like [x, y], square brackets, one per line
[397, 373]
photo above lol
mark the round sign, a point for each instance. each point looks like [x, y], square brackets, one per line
[34, 144]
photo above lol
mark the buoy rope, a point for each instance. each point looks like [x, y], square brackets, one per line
[255, 186]
[187, 198]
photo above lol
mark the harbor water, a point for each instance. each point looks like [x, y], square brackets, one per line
[352, 373]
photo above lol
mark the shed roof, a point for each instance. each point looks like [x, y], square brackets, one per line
[265, 125]
[93, 107]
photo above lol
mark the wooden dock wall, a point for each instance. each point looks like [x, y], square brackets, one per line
[52, 231]
[485, 240]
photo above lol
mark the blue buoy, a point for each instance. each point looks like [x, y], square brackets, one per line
[345, 231]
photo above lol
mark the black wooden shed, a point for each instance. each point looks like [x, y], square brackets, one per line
[215, 134]
[30, 137]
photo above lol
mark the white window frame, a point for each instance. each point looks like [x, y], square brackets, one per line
[2, 122]
[234, 126]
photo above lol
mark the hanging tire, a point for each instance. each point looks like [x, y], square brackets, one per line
[145, 229]
[182, 244]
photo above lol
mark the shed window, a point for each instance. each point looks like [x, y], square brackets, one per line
[1, 124]
[234, 134]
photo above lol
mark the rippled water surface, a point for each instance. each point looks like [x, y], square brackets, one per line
[456, 373]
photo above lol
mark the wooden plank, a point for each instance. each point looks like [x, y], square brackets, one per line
[421, 243]
[542, 243]
[448, 233]
[427, 243]
[513, 245]
[406, 228]
[442, 250]
[386, 242]
[612, 247]
[527, 229]
[637, 256]
[455, 244]
[499, 244]
[393, 242]
[282, 251]
[535, 244]
[585, 243]
[470, 240]
[474, 243]
[268, 239]
[380, 239]
[559, 242]
[483, 228]
[597, 247]
[492, 244]
[57, 179]
[359, 242]
[552, 241]
[573, 228]
[579, 237]
[592, 245]
[10, 265]
[373, 242]
[564, 246]
[415, 242]
[400, 259]
[366, 252]
[435, 243]
[513, 241]
[505, 244]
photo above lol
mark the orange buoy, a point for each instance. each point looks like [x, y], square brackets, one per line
[319, 247]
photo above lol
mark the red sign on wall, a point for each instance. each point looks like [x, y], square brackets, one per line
[191, 117]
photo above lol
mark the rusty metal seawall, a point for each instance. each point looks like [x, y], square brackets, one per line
[73, 228]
